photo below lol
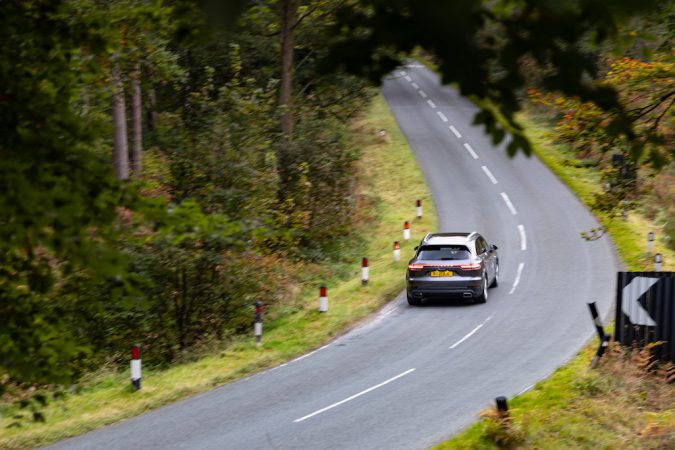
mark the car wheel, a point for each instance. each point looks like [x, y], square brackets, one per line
[413, 301]
[484, 295]
[495, 282]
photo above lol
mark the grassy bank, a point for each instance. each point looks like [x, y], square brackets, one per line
[621, 404]
[389, 183]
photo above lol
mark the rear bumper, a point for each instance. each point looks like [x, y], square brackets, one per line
[461, 288]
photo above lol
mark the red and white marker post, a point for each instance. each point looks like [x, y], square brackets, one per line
[650, 242]
[397, 252]
[136, 367]
[323, 299]
[364, 271]
[658, 262]
[406, 231]
[419, 209]
[257, 327]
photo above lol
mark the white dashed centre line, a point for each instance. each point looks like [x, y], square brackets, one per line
[517, 280]
[442, 116]
[407, 77]
[523, 238]
[432, 104]
[489, 174]
[415, 85]
[354, 396]
[509, 204]
[470, 150]
[470, 333]
[454, 130]
[422, 93]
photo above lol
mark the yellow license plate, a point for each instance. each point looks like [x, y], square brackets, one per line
[441, 273]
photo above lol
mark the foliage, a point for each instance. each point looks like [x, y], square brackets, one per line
[481, 46]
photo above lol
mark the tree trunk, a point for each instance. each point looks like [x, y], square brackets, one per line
[287, 14]
[137, 151]
[120, 145]
[151, 115]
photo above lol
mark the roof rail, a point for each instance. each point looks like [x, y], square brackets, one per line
[426, 238]
[472, 234]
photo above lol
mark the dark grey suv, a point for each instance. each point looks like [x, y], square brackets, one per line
[452, 265]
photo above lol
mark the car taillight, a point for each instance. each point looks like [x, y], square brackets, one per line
[472, 266]
[415, 266]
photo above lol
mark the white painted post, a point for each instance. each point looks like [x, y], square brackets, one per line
[323, 299]
[257, 327]
[650, 242]
[406, 231]
[364, 271]
[397, 252]
[658, 262]
[135, 367]
[419, 209]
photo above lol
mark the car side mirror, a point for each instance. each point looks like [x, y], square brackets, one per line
[493, 247]
[416, 247]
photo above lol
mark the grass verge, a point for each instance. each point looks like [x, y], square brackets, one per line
[389, 182]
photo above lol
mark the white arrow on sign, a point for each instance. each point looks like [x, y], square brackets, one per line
[630, 305]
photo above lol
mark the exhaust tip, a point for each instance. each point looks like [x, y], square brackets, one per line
[467, 295]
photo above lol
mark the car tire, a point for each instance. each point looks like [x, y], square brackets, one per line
[495, 282]
[413, 301]
[482, 298]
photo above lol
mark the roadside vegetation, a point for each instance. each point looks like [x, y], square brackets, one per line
[627, 401]
[388, 182]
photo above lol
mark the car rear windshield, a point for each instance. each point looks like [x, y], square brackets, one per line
[443, 252]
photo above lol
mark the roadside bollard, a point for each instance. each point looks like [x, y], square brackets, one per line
[658, 262]
[364, 271]
[502, 407]
[406, 230]
[135, 367]
[650, 242]
[419, 209]
[258, 326]
[323, 299]
[397, 252]
[604, 337]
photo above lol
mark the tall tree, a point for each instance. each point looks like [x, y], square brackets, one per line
[288, 10]
[120, 142]
[136, 114]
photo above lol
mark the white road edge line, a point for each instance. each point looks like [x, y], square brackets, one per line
[454, 130]
[489, 174]
[432, 104]
[422, 93]
[407, 77]
[470, 150]
[415, 85]
[508, 203]
[354, 396]
[517, 280]
[442, 116]
[470, 333]
[523, 238]
[308, 354]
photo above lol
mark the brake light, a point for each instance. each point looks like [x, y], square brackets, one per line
[415, 266]
[472, 266]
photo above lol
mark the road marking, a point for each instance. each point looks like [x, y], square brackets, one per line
[489, 174]
[422, 93]
[407, 77]
[432, 104]
[403, 73]
[523, 238]
[470, 333]
[470, 150]
[509, 204]
[526, 389]
[442, 116]
[517, 280]
[307, 355]
[354, 396]
[414, 66]
[454, 130]
[415, 85]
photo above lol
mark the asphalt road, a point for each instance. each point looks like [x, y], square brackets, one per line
[412, 377]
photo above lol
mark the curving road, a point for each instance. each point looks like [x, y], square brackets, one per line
[412, 377]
